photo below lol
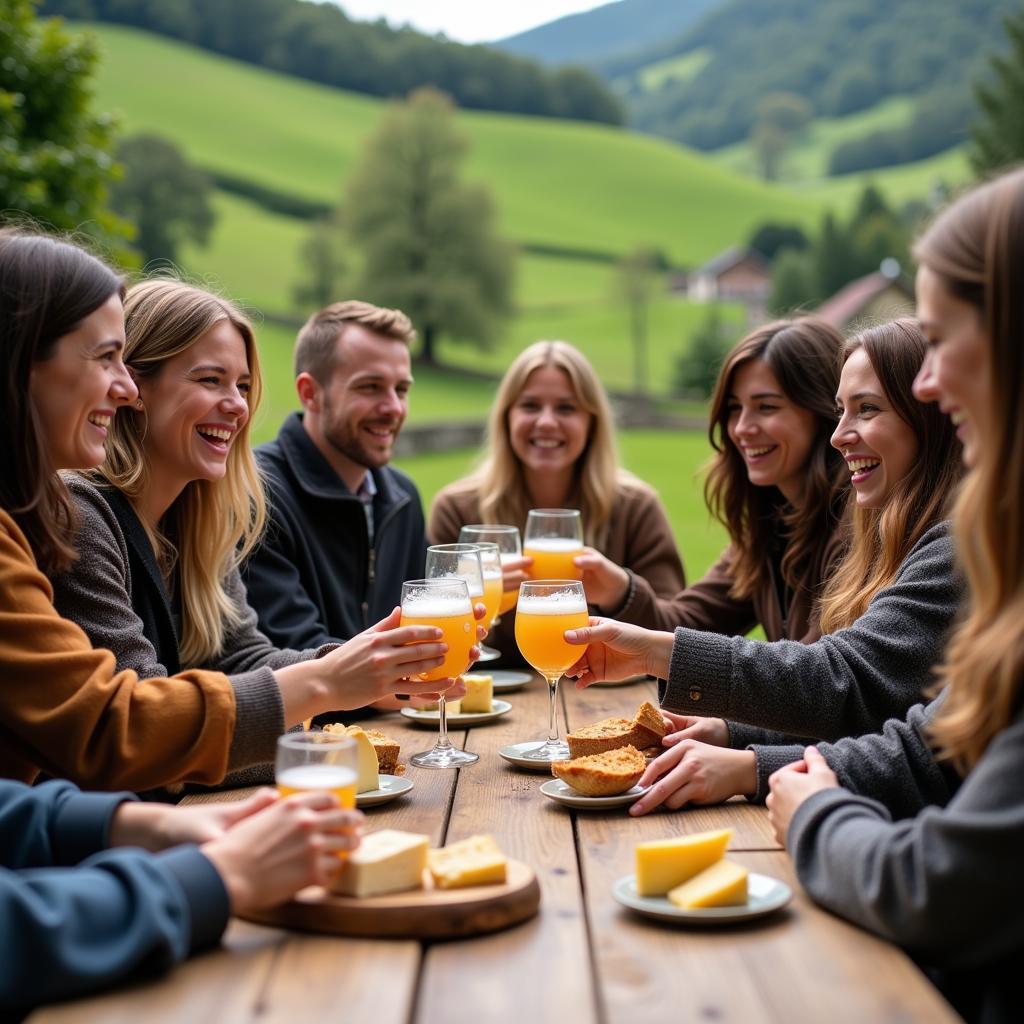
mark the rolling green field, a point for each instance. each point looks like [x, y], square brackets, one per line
[807, 158]
[670, 462]
[559, 182]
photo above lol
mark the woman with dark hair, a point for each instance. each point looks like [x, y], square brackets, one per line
[64, 709]
[885, 610]
[775, 484]
[918, 833]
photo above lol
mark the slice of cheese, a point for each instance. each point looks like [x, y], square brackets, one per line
[724, 884]
[477, 860]
[367, 766]
[385, 861]
[452, 707]
[479, 693]
[662, 864]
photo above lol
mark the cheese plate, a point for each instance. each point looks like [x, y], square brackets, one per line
[765, 896]
[463, 720]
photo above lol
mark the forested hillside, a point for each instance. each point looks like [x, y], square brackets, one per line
[611, 30]
[320, 43]
[842, 57]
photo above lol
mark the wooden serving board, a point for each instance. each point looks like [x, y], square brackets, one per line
[427, 913]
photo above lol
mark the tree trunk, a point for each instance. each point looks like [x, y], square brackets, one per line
[428, 353]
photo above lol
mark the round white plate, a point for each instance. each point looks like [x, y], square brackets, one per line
[563, 793]
[514, 752]
[505, 680]
[459, 721]
[765, 895]
[391, 786]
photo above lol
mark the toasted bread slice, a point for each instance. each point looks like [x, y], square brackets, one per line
[384, 747]
[606, 774]
[645, 730]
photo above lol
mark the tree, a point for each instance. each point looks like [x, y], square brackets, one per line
[426, 239]
[54, 149]
[780, 116]
[322, 257]
[163, 195]
[998, 133]
[638, 278]
[697, 368]
[794, 286]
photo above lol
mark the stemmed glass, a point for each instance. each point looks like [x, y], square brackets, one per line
[490, 563]
[546, 609]
[509, 547]
[554, 537]
[452, 612]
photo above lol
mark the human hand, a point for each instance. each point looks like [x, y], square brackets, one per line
[514, 572]
[692, 727]
[792, 785]
[272, 854]
[618, 650]
[453, 692]
[696, 773]
[605, 582]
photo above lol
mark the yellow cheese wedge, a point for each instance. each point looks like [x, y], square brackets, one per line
[479, 693]
[367, 768]
[452, 707]
[662, 864]
[385, 861]
[724, 884]
[477, 860]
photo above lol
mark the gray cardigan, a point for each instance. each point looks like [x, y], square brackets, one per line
[96, 593]
[925, 858]
[845, 684]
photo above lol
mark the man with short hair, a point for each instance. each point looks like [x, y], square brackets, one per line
[344, 528]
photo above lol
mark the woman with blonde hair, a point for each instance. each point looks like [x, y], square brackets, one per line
[885, 611]
[166, 518]
[918, 833]
[551, 444]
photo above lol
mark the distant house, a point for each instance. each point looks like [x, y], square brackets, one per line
[737, 275]
[883, 295]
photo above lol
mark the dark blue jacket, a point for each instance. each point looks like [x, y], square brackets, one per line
[68, 930]
[314, 578]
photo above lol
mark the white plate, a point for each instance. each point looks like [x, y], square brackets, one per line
[514, 755]
[765, 895]
[505, 680]
[461, 720]
[391, 786]
[563, 793]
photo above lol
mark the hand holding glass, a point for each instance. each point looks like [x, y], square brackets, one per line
[509, 549]
[554, 537]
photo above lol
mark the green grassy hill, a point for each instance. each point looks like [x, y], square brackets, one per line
[556, 182]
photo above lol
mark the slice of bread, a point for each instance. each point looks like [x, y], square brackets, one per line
[645, 730]
[384, 747]
[606, 774]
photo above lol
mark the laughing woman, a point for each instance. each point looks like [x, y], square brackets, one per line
[918, 834]
[178, 503]
[885, 612]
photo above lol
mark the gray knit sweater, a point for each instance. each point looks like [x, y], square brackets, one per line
[924, 858]
[846, 684]
[96, 593]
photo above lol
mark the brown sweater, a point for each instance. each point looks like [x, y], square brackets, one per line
[708, 605]
[640, 539]
[66, 711]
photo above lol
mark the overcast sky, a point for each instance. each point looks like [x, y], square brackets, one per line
[468, 21]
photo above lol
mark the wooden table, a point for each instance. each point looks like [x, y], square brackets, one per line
[583, 959]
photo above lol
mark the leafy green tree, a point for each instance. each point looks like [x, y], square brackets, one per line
[322, 259]
[998, 133]
[780, 116]
[794, 285]
[426, 239]
[54, 149]
[163, 195]
[697, 368]
[639, 279]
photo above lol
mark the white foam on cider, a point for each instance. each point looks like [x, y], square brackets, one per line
[565, 603]
[435, 606]
[557, 545]
[317, 776]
